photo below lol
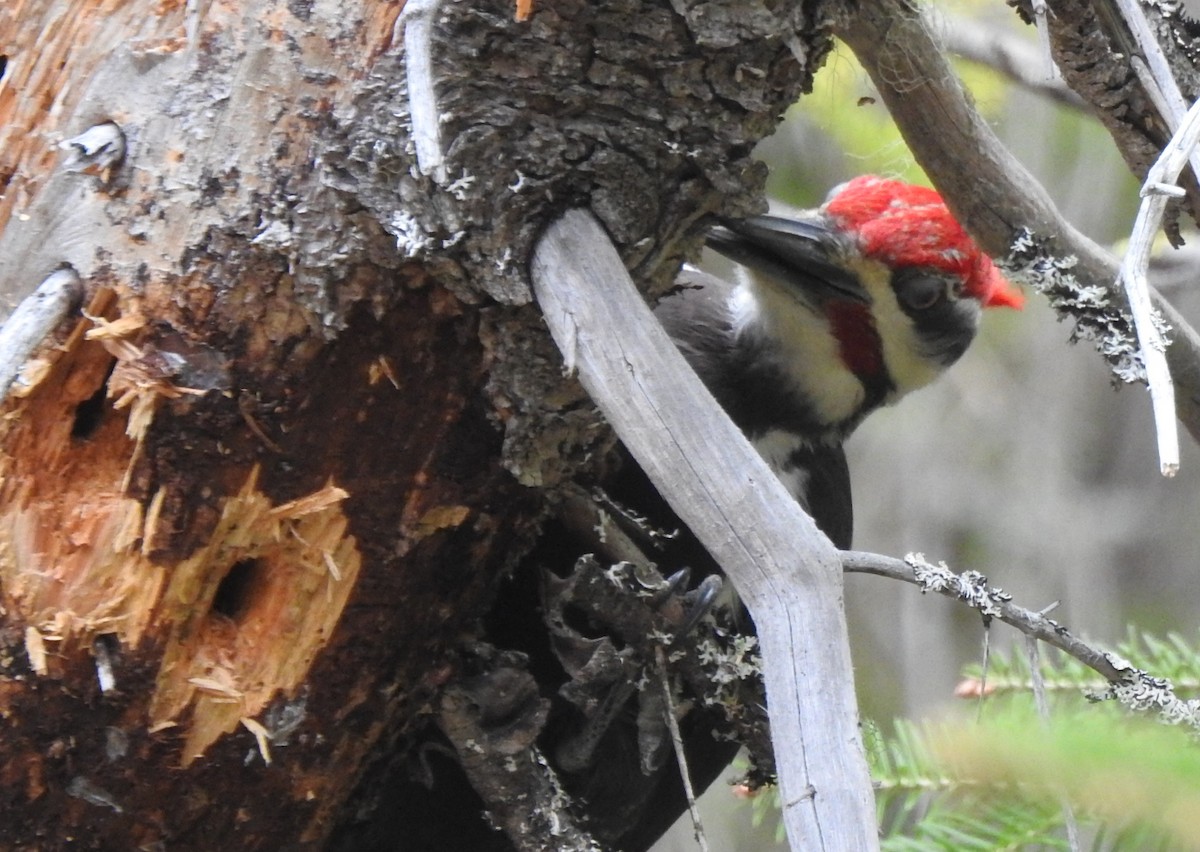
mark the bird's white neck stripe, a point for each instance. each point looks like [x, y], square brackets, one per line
[802, 345]
[777, 448]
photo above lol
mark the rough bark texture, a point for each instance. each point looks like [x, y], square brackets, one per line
[254, 502]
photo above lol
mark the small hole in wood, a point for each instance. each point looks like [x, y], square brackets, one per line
[3, 64]
[89, 414]
[110, 642]
[236, 592]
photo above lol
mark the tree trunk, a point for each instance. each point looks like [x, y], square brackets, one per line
[260, 490]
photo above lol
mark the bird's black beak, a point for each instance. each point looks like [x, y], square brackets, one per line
[801, 253]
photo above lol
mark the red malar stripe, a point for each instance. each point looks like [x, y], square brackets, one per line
[858, 341]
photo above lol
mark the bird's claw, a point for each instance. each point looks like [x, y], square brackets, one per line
[703, 600]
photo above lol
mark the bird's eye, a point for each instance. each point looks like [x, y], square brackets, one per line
[918, 291]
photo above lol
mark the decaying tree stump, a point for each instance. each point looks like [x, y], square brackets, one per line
[259, 489]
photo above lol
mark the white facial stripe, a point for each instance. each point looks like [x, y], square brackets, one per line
[902, 349]
[808, 353]
[743, 306]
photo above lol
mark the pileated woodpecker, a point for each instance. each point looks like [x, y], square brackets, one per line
[838, 311]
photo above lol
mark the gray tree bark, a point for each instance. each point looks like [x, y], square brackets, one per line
[257, 493]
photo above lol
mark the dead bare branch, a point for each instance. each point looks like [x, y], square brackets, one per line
[1138, 690]
[1158, 189]
[1015, 58]
[33, 320]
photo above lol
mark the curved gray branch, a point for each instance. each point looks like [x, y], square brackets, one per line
[1003, 51]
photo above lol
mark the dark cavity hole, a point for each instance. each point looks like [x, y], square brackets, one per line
[3, 65]
[236, 591]
[110, 642]
[89, 414]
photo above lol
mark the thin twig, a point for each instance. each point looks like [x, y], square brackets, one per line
[1133, 275]
[1035, 677]
[1043, 31]
[660, 661]
[972, 588]
[1043, 709]
[1136, 689]
[983, 670]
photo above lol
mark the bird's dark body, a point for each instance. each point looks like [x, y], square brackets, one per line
[752, 390]
[831, 323]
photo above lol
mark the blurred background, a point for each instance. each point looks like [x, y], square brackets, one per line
[1024, 462]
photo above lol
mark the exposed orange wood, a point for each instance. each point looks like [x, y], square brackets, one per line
[314, 524]
[75, 550]
[68, 565]
[227, 658]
